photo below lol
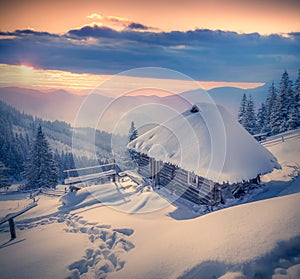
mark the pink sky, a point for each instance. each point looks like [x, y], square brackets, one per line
[59, 16]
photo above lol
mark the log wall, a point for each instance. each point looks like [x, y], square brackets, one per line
[176, 180]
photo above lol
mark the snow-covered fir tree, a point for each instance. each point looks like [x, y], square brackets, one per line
[242, 110]
[284, 101]
[250, 117]
[41, 169]
[132, 135]
[280, 112]
[276, 117]
[297, 92]
[270, 106]
[262, 119]
[293, 120]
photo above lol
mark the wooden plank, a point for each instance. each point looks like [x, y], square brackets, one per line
[92, 167]
[87, 177]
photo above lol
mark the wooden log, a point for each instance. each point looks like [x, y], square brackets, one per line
[12, 228]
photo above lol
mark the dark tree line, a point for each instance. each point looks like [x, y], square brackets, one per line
[4, 180]
[19, 131]
[279, 113]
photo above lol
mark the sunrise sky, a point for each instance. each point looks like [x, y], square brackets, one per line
[74, 45]
[59, 16]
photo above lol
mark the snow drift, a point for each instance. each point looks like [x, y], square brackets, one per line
[207, 140]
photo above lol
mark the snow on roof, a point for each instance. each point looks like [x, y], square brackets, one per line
[208, 141]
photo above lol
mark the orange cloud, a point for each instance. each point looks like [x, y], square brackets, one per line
[95, 16]
[119, 19]
[114, 22]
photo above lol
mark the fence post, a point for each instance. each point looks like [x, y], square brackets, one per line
[12, 228]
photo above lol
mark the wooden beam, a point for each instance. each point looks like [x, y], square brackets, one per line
[87, 177]
[92, 167]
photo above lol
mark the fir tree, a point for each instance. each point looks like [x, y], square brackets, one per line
[41, 169]
[262, 119]
[250, 117]
[270, 105]
[133, 133]
[242, 110]
[58, 158]
[275, 117]
[297, 92]
[284, 101]
[293, 120]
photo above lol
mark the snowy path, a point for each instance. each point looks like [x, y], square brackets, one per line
[101, 256]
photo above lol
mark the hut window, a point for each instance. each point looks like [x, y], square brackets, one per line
[192, 179]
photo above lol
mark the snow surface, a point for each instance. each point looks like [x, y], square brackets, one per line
[210, 143]
[87, 238]
[116, 195]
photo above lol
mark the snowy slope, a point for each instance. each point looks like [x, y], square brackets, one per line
[210, 143]
[90, 239]
[251, 238]
[231, 237]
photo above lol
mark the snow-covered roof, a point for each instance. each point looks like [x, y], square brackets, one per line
[208, 141]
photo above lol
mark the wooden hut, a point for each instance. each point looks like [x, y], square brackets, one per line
[203, 164]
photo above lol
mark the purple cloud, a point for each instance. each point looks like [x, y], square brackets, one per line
[202, 53]
[137, 26]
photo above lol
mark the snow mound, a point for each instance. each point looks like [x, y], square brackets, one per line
[113, 195]
[207, 140]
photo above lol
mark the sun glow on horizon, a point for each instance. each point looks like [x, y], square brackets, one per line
[28, 76]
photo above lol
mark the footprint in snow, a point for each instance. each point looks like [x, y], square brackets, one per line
[107, 243]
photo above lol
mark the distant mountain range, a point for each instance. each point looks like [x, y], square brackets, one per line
[230, 97]
[54, 105]
[115, 115]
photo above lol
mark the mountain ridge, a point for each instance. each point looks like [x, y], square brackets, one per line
[63, 105]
